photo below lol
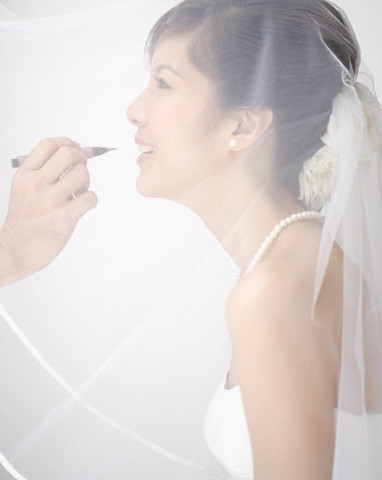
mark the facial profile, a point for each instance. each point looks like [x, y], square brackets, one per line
[183, 138]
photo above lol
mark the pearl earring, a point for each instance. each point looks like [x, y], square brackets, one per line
[233, 143]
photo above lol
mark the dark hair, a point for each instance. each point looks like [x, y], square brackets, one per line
[309, 48]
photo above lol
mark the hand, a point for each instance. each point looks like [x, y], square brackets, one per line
[50, 193]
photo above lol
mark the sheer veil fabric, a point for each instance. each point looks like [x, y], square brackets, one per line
[110, 355]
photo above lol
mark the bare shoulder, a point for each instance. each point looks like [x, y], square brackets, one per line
[268, 301]
[282, 282]
[276, 298]
[286, 361]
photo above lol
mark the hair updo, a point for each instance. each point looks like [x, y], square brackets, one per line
[291, 56]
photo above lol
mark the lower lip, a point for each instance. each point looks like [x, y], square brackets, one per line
[143, 157]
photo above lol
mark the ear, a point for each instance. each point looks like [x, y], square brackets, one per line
[251, 125]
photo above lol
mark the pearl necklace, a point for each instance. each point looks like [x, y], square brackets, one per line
[306, 215]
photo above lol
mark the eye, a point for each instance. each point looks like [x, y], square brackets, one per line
[162, 84]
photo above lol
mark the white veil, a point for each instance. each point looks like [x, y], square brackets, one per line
[84, 69]
[110, 355]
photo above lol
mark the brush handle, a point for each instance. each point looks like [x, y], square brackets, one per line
[90, 152]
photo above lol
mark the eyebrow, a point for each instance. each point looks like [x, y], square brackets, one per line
[167, 67]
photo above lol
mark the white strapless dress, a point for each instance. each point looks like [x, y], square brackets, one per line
[227, 436]
[226, 432]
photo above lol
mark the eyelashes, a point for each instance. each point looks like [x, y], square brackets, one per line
[162, 84]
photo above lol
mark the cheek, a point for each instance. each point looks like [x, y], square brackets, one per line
[168, 110]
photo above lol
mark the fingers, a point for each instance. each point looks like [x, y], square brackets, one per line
[60, 162]
[76, 180]
[45, 150]
[41, 206]
[54, 171]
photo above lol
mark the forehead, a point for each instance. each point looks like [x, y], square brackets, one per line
[173, 51]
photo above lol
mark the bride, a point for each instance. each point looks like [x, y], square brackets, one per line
[239, 113]
[260, 119]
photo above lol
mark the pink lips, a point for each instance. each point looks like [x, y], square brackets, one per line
[143, 155]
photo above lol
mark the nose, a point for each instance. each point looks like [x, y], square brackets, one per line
[136, 113]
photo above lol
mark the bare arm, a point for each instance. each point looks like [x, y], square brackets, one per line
[287, 371]
[42, 211]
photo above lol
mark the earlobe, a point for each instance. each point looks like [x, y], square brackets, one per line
[233, 143]
[252, 126]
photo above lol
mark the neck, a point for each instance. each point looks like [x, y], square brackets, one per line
[239, 212]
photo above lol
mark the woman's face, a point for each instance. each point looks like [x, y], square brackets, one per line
[182, 135]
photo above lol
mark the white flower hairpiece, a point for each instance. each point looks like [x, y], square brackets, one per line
[356, 107]
[316, 179]
[316, 176]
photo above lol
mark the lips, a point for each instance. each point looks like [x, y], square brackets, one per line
[143, 146]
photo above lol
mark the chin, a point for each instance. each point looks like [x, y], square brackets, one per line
[155, 188]
[143, 190]
[149, 189]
